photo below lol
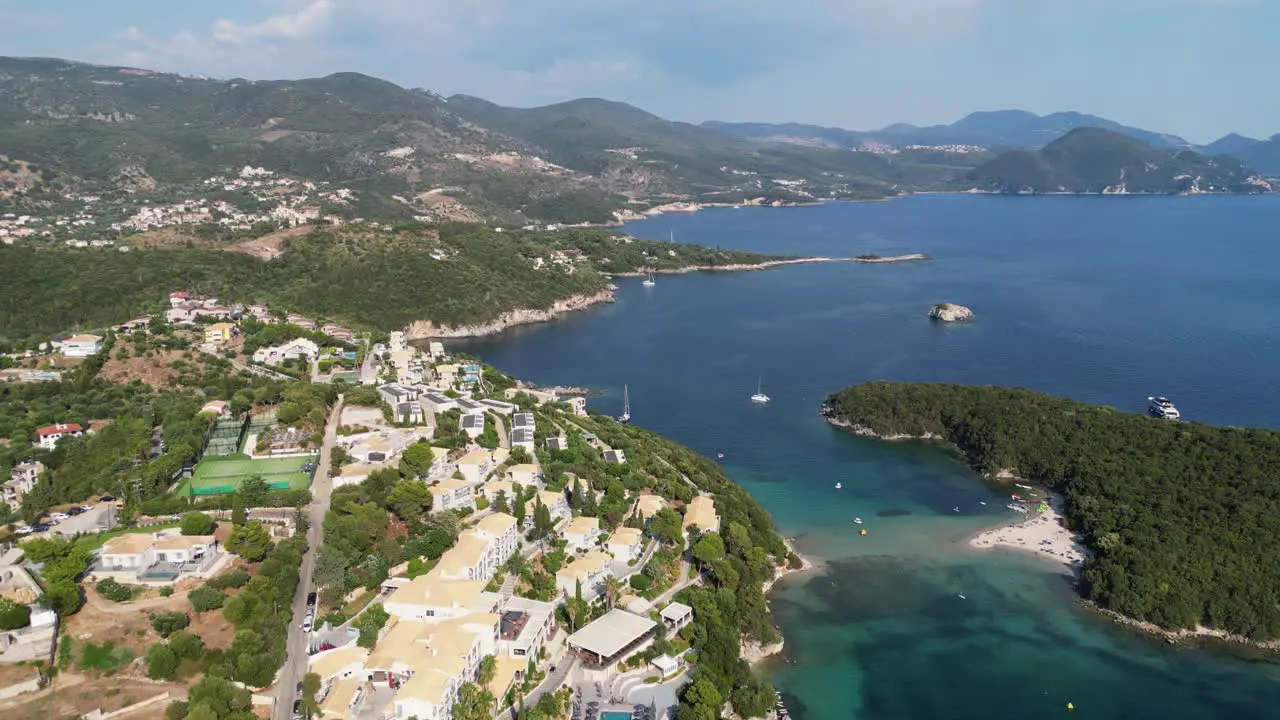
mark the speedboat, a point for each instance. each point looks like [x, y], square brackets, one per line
[857, 521]
[719, 456]
[1162, 408]
[839, 486]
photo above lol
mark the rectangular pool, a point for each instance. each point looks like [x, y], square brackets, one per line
[615, 715]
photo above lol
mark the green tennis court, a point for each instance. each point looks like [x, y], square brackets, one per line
[224, 473]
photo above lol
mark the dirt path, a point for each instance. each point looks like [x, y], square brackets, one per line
[102, 604]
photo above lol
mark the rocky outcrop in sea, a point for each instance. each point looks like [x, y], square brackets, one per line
[950, 312]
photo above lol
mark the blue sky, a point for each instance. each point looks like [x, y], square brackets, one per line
[1198, 68]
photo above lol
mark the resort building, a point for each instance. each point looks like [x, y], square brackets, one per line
[525, 474]
[451, 494]
[523, 438]
[556, 503]
[701, 513]
[476, 465]
[611, 638]
[298, 349]
[676, 615]
[589, 571]
[648, 505]
[581, 533]
[22, 479]
[625, 544]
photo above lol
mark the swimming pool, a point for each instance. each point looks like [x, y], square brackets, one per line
[615, 715]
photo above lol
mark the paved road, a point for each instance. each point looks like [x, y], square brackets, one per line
[101, 517]
[295, 665]
[504, 440]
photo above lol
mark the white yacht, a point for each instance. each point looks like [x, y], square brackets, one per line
[759, 397]
[648, 281]
[625, 417]
[1161, 407]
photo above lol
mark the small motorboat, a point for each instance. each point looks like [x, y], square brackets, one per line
[839, 486]
[857, 521]
[961, 596]
[955, 509]
[981, 502]
[719, 456]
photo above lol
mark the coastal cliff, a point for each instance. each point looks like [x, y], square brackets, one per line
[425, 329]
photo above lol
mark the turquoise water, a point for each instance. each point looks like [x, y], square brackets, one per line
[1107, 300]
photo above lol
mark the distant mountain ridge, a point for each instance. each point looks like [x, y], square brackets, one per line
[996, 129]
[1092, 160]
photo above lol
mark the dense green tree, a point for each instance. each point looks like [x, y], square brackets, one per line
[250, 541]
[253, 491]
[709, 549]
[197, 523]
[410, 500]
[665, 526]
[167, 623]
[370, 623]
[1183, 519]
[162, 663]
[14, 615]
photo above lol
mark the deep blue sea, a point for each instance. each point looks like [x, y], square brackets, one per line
[1102, 299]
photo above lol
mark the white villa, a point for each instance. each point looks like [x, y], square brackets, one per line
[81, 346]
[300, 348]
[451, 494]
[581, 533]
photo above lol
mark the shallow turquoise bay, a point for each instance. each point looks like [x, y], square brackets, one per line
[1106, 300]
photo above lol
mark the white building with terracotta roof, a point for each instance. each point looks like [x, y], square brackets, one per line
[49, 436]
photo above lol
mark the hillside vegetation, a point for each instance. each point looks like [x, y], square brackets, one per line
[1183, 519]
[1090, 160]
[453, 274]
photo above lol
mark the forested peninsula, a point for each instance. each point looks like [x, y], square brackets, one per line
[1183, 519]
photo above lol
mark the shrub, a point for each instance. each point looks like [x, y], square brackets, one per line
[641, 582]
[166, 591]
[13, 615]
[205, 598]
[168, 623]
[106, 657]
[186, 646]
[112, 590]
[235, 579]
[162, 663]
[369, 624]
[197, 523]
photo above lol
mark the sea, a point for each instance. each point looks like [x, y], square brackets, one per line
[1107, 300]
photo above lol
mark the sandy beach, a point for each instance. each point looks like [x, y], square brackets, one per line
[1040, 533]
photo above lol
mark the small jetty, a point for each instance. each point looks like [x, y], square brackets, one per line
[779, 707]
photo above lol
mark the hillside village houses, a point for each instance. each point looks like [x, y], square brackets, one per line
[625, 544]
[589, 570]
[451, 494]
[219, 333]
[22, 478]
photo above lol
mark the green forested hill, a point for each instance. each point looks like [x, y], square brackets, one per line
[1090, 160]
[379, 279]
[1183, 518]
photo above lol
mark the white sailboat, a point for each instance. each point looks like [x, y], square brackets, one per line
[648, 282]
[625, 417]
[759, 397]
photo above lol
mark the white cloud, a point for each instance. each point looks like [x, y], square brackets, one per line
[305, 22]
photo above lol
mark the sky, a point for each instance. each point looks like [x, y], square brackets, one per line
[1196, 68]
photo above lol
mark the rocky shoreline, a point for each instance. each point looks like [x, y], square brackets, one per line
[864, 431]
[754, 652]
[740, 267]
[910, 257]
[425, 329]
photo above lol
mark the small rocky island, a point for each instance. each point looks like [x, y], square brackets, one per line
[950, 312]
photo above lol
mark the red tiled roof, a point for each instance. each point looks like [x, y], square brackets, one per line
[59, 428]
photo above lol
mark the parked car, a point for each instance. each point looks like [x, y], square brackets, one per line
[75, 511]
[107, 498]
[24, 530]
[311, 598]
[86, 508]
[40, 527]
[57, 517]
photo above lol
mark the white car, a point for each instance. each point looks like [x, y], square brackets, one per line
[58, 517]
[86, 508]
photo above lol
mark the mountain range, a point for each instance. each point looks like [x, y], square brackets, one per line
[68, 127]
